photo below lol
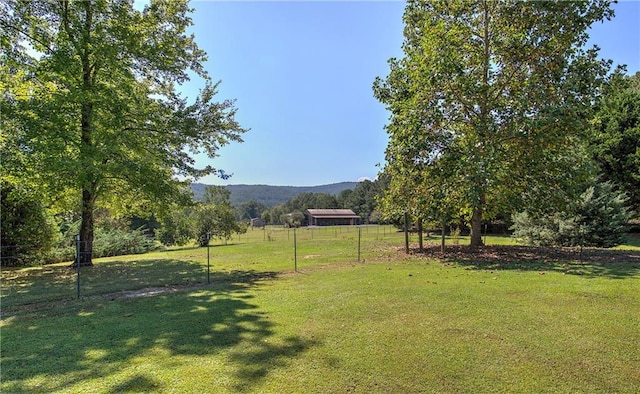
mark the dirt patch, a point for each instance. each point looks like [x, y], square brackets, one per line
[236, 279]
[151, 291]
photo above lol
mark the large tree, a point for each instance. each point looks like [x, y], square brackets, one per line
[615, 143]
[489, 104]
[91, 102]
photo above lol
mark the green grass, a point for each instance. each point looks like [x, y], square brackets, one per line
[501, 320]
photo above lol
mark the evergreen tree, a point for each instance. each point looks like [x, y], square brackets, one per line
[598, 217]
[615, 143]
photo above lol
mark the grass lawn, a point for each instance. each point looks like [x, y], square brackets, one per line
[502, 319]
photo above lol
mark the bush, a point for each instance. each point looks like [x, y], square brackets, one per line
[27, 230]
[549, 230]
[598, 218]
[116, 241]
[60, 254]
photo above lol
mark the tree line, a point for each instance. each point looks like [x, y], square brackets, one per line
[33, 234]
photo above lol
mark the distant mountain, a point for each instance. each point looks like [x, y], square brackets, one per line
[272, 195]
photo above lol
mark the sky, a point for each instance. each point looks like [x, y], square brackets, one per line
[302, 72]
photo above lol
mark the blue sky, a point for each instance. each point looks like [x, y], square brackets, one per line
[302, 72]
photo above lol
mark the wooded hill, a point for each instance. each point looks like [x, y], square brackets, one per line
[272, 195]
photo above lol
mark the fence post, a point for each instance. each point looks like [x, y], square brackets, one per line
[208, 258]
[406, 233]
[78, 263]
[359, 228]
[443, 236]
[581, 240]
[295, 252]
[485, 234]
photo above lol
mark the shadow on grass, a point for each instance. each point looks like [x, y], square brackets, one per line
[30, 287]
[97, 339]
[138, 383]
[591, 261]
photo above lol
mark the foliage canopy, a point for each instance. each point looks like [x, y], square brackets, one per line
[91, 104]
[615, 144]
[489, 106]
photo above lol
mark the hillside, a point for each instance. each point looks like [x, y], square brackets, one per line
[272, 195]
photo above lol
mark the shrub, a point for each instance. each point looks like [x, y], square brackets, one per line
[107, 242]
[27, 230]
[598, 218]
[117, 242]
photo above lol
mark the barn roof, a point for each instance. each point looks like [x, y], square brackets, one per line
[332, 213]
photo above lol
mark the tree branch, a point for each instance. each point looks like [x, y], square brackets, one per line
[24, 33]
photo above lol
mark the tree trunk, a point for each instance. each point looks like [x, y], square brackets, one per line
[476, 227]
[420, 236]
[86, 142]
[86, 228]
[485, 114]
[406, 233]
[88, 189]
[444, 234]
